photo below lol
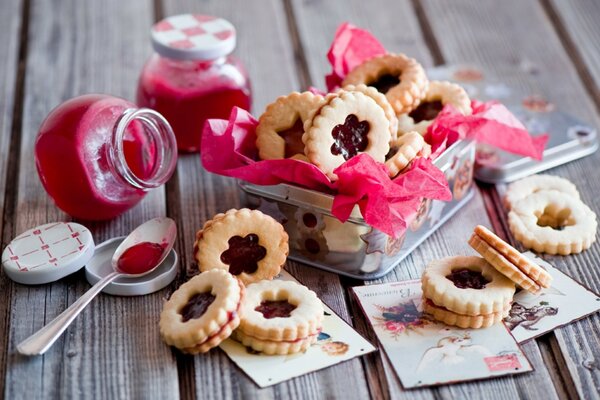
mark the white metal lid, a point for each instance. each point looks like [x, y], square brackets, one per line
[193, 37]
[48, 253]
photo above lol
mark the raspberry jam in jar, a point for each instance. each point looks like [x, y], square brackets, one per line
[97, 155]
[192, 77]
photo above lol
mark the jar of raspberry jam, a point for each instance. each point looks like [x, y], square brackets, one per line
[97, 155]
[192, 77]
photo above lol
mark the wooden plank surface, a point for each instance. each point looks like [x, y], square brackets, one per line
[266, 48]
[530, 42]
[113, 349]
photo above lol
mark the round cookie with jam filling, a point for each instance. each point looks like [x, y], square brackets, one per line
[351, 123]
[250, 245]
[281, 317]
[467, 285]
[402, 79]
[281, 126]
[203, 312]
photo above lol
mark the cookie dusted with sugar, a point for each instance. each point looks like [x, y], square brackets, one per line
[280, 317]
[439, 94]
[349, 124]
[402, 79]
[246, 243]
[281, 126]
[203, 312]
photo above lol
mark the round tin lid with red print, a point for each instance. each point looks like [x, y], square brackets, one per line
[48, 253]
[193, 37]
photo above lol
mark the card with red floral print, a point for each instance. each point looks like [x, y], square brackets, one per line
[336, 343]
[425, 352]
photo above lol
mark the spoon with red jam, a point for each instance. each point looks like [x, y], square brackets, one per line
[139, 254]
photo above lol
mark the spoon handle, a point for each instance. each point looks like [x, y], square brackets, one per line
[41, 341]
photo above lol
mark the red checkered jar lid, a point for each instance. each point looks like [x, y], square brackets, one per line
[48, 253]
[193, 37]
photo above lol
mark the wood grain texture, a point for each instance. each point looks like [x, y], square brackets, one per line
[265, 46]
[113, 349]
[531, 44]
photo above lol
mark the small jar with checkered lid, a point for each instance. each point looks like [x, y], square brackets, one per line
[192, 75]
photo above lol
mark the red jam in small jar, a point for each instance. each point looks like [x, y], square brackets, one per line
[97, 155]
[192, 77]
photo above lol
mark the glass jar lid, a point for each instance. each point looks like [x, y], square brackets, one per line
[193, 37]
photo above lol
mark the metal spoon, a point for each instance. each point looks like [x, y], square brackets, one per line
[157, 230]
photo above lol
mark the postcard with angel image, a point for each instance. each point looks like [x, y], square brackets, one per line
[425, 352]
[565, 301]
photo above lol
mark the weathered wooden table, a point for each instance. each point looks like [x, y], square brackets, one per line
[54, 50]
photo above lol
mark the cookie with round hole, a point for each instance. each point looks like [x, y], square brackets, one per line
[524, 187]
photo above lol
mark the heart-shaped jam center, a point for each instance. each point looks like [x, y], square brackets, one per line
[385, 82]
[465, 278]
[293, 138]
[426, 111]
[243, 254]
[555, 218]
[350, 138]
[275, 309]
[196, 306]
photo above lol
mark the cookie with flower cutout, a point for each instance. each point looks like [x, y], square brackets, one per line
[406, 148]
[379, 99]
[280, 317]
[467, 285]
[203, 312]
[532, 184]
[439, 94]
[553, 222]
[350, 124]
[246, 243]
[281, 126]
[402, 79]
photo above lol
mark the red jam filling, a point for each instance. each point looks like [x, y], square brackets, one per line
[426, 111]
[243, 254]
[275, 309]
[309, 220]
[312, 246]
[350, 138]
[385, 82]
[293, 138]
[141, 257]
[465, 278]
[196, 306]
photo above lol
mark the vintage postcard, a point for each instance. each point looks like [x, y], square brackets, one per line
[337, 342]
[425, 352]
[564, 302]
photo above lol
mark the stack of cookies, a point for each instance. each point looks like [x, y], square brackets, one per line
[383, 108]
[547, 215]
[475, 292]
[239, 253]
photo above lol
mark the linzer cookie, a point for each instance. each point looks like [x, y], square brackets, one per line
[401, 78]
[466, 291]
[439, 94]
[203, 312]
[281, 126]
[524, 187]
[247, 243]
[509, 261]
[280, 317]
[350, 124]
[408, 147]
[553, 222]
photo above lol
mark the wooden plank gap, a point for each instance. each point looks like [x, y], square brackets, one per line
[301, 63]
[572, 50]
[159, 10]
[555, 364]
[428, 35]
[12, 174]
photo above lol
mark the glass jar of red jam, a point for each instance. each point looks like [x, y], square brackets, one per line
[97, 155]
[192, 77]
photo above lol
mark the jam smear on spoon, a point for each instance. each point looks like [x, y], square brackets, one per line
[140, 258]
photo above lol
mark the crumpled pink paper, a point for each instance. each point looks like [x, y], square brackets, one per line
[228, 148]
[351, 46]
[491, 123]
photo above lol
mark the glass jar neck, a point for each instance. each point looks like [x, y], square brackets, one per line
[158, 134]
